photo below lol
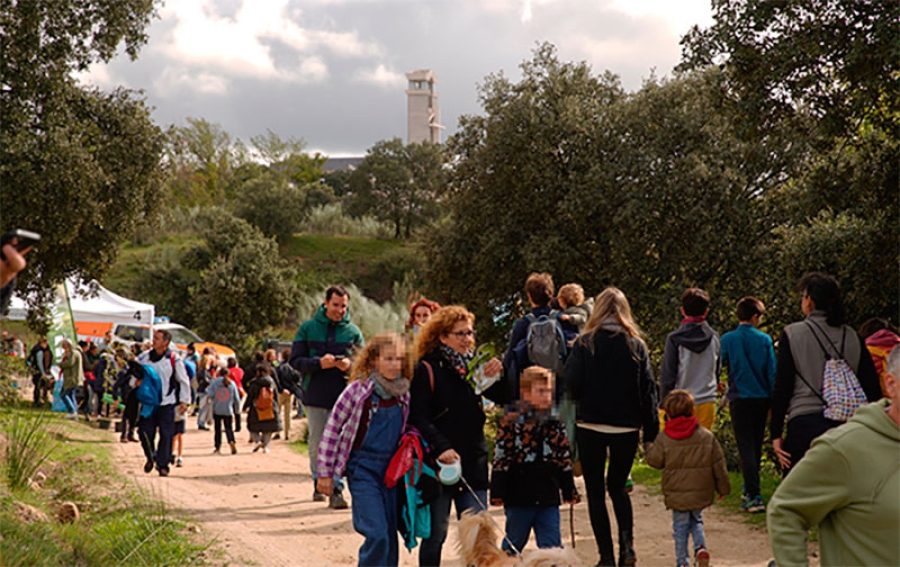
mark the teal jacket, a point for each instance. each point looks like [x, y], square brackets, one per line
[315, 338]
[849, 485]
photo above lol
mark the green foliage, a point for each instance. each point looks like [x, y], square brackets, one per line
[400, 184]
[12, 371]
[272, 205]
[370, 316]
[330, 220]
[29, 442]
[839, 60]
[202, 158]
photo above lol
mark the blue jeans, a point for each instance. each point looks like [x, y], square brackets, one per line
[684, 523]
[68, 398]
[520, 520]
[430, 551]
[316, 420]
[205, 405]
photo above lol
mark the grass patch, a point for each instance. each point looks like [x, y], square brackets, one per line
[118, 525]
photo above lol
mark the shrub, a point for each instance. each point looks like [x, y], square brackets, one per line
[330, 220]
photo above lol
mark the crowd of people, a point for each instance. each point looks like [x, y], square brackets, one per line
[581, 398]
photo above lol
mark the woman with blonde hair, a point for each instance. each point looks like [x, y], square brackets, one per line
[360, 438]
[449, 414]
[608, 373]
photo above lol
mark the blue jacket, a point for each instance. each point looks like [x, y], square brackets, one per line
[749, 357]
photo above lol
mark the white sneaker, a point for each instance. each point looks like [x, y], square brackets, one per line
[178, 462]
[265, 449]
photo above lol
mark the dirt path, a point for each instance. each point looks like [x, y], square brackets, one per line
[259, 508]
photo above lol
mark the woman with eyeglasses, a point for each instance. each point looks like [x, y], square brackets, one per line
[446, 410]
[803, 349]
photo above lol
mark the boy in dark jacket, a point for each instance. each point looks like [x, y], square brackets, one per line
[694, 471]
[532, 464]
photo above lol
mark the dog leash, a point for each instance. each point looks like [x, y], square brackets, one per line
[572, 523]
[485, 508]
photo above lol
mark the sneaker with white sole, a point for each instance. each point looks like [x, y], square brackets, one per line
[178, 461]
[753, 505]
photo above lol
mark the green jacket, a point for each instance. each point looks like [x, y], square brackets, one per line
[849, 485]
[72, 371]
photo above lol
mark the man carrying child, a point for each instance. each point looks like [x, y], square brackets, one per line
[694, 471]
[532, 464]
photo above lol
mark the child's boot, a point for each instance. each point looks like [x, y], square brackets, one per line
[626, 548]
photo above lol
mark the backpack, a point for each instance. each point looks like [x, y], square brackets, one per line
[841, 392]
[544, 345]
[264, 404]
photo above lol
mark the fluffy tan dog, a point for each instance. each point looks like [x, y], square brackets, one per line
[478, 547]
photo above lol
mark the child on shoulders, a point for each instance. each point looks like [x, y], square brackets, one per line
[694, 471]
[532, 464]
[576, 310]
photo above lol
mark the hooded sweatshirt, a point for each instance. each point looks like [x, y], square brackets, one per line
[314, 339]
[849, 485]
[71, 367]
[691, 362]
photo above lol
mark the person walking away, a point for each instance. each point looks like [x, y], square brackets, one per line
[450, 416]
[226, 407]
[608, 373]
[803, 349]
[263, 419]
[321, 351]
[124, 390]
[576, 310]
[691, 358]
[206, 368]
[848, 485]
[749, 359]
[361, 437]
[72, 370]
[39, 360]
[288, 380]
[176, 391]
[532, 465]
[178, 437]
[539, 291]
[694, 471]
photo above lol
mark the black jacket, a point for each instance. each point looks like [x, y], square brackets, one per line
[613, 385]
[450, 416]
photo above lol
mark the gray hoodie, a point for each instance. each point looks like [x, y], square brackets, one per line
[226, 399]
[691, 362]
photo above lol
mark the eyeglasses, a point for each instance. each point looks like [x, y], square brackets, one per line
[463, 334]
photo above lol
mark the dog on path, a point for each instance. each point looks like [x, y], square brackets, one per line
[478, 547]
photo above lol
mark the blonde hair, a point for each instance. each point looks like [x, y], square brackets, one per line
[270, 355]
[364, 362]
[572, 294]
[535, 374]
[441, 323]
[610, 304]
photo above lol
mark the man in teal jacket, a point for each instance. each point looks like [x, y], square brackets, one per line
[849, 485]
[321, 351]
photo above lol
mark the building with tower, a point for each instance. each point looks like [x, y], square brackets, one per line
[423, 114]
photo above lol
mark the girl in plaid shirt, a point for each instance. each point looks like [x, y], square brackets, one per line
[360, 438]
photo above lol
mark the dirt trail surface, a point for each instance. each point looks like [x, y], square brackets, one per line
[259, 509]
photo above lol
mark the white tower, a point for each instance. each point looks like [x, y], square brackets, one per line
[423, 115]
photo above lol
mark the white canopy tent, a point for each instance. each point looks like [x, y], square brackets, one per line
[105, 307]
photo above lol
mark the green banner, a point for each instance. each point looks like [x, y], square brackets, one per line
[62, 326]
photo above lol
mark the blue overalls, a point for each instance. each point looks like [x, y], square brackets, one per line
[374, 504]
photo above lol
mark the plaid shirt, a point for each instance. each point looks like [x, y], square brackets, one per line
[343, 424]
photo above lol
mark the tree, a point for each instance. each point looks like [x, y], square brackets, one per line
[77, 165]
[838, 60]
[398, 183]
[202, 159]
[273, 205]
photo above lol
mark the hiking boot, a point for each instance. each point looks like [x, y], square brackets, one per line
[233, 448]
[148, 466]
[163, 472]
[318, 496]
[337, 501]
[627, 556]
[701, 557]
[753, 505]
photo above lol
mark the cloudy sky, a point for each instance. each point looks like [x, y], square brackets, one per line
[332, 71]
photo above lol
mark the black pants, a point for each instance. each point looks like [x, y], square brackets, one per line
[229, 432]
[802, 430]
[592, 447]
[130, 415]
[748, 418]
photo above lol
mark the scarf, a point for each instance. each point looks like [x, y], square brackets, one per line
[681, 427]
[389, 388]
[697, 319]
[459, 362]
